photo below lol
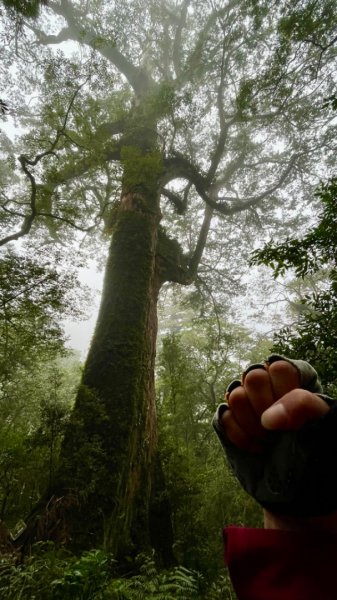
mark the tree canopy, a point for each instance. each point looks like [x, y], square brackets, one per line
[236, 113]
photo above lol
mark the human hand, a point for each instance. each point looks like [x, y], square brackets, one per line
[269, 398]
[279, 433]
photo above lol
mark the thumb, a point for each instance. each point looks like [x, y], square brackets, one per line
[293, 410]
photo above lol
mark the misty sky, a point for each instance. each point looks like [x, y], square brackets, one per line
[80, 332]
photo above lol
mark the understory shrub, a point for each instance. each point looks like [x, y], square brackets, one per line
[52, 573]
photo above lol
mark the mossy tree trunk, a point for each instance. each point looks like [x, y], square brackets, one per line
[108, 450]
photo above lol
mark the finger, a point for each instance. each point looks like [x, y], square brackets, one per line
[244, 414]
[294, 410]
[257, 385]
[237, 435]
[284, 378]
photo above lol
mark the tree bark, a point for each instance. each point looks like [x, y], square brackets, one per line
[110, 443]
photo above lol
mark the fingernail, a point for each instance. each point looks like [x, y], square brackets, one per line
[252, 368]
[274, 417]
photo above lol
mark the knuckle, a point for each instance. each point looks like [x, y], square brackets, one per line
[237, 397]
[256, 377]
[281, 368]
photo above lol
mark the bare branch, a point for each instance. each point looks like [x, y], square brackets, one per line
[68, 221]
[48, 39]
[179, 166]
[225, 209]
[321, 46]
[200, 246]
[138, 78]
[177, 38]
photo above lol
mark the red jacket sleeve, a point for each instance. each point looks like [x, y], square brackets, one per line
[269, 564]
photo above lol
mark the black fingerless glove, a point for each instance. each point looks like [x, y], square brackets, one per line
[296, 474]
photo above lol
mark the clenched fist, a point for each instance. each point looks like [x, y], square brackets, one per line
[279, 433]
[270, 397]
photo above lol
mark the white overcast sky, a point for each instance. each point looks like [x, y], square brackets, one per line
[79, 333]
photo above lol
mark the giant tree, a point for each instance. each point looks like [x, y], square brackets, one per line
[155, 114]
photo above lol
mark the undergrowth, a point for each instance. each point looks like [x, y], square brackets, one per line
[51, 573]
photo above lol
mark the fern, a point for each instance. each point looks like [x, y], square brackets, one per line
[176, 584]
[54, 574]
[32, 580]
[221, 589]
[85, 578]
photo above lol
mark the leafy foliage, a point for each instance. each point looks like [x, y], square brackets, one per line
[37, 375]
[83, 578]
[316, 249]
[310, 22]
[51, 573]
[195, 367]
[34, 295]
[26, 8]
[152, 584]
[35, 406]
[313, 337]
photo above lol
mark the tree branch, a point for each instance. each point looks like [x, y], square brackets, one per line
[179, 166]
[200, 246]
[193, 59]
[24, 161]
[240, 204]
[137, 77]
[48, 39]
[29, 219]
[68, 221]
[228, 171]
[179, 203]
[111, 128]
[71, 171]
[224, 124]
[177, 38]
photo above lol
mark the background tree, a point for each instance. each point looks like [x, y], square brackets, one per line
[172, 112]
[35, 395]
[35, 407]
[195, 367]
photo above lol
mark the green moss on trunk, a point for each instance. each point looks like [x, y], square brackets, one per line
[108, 448]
